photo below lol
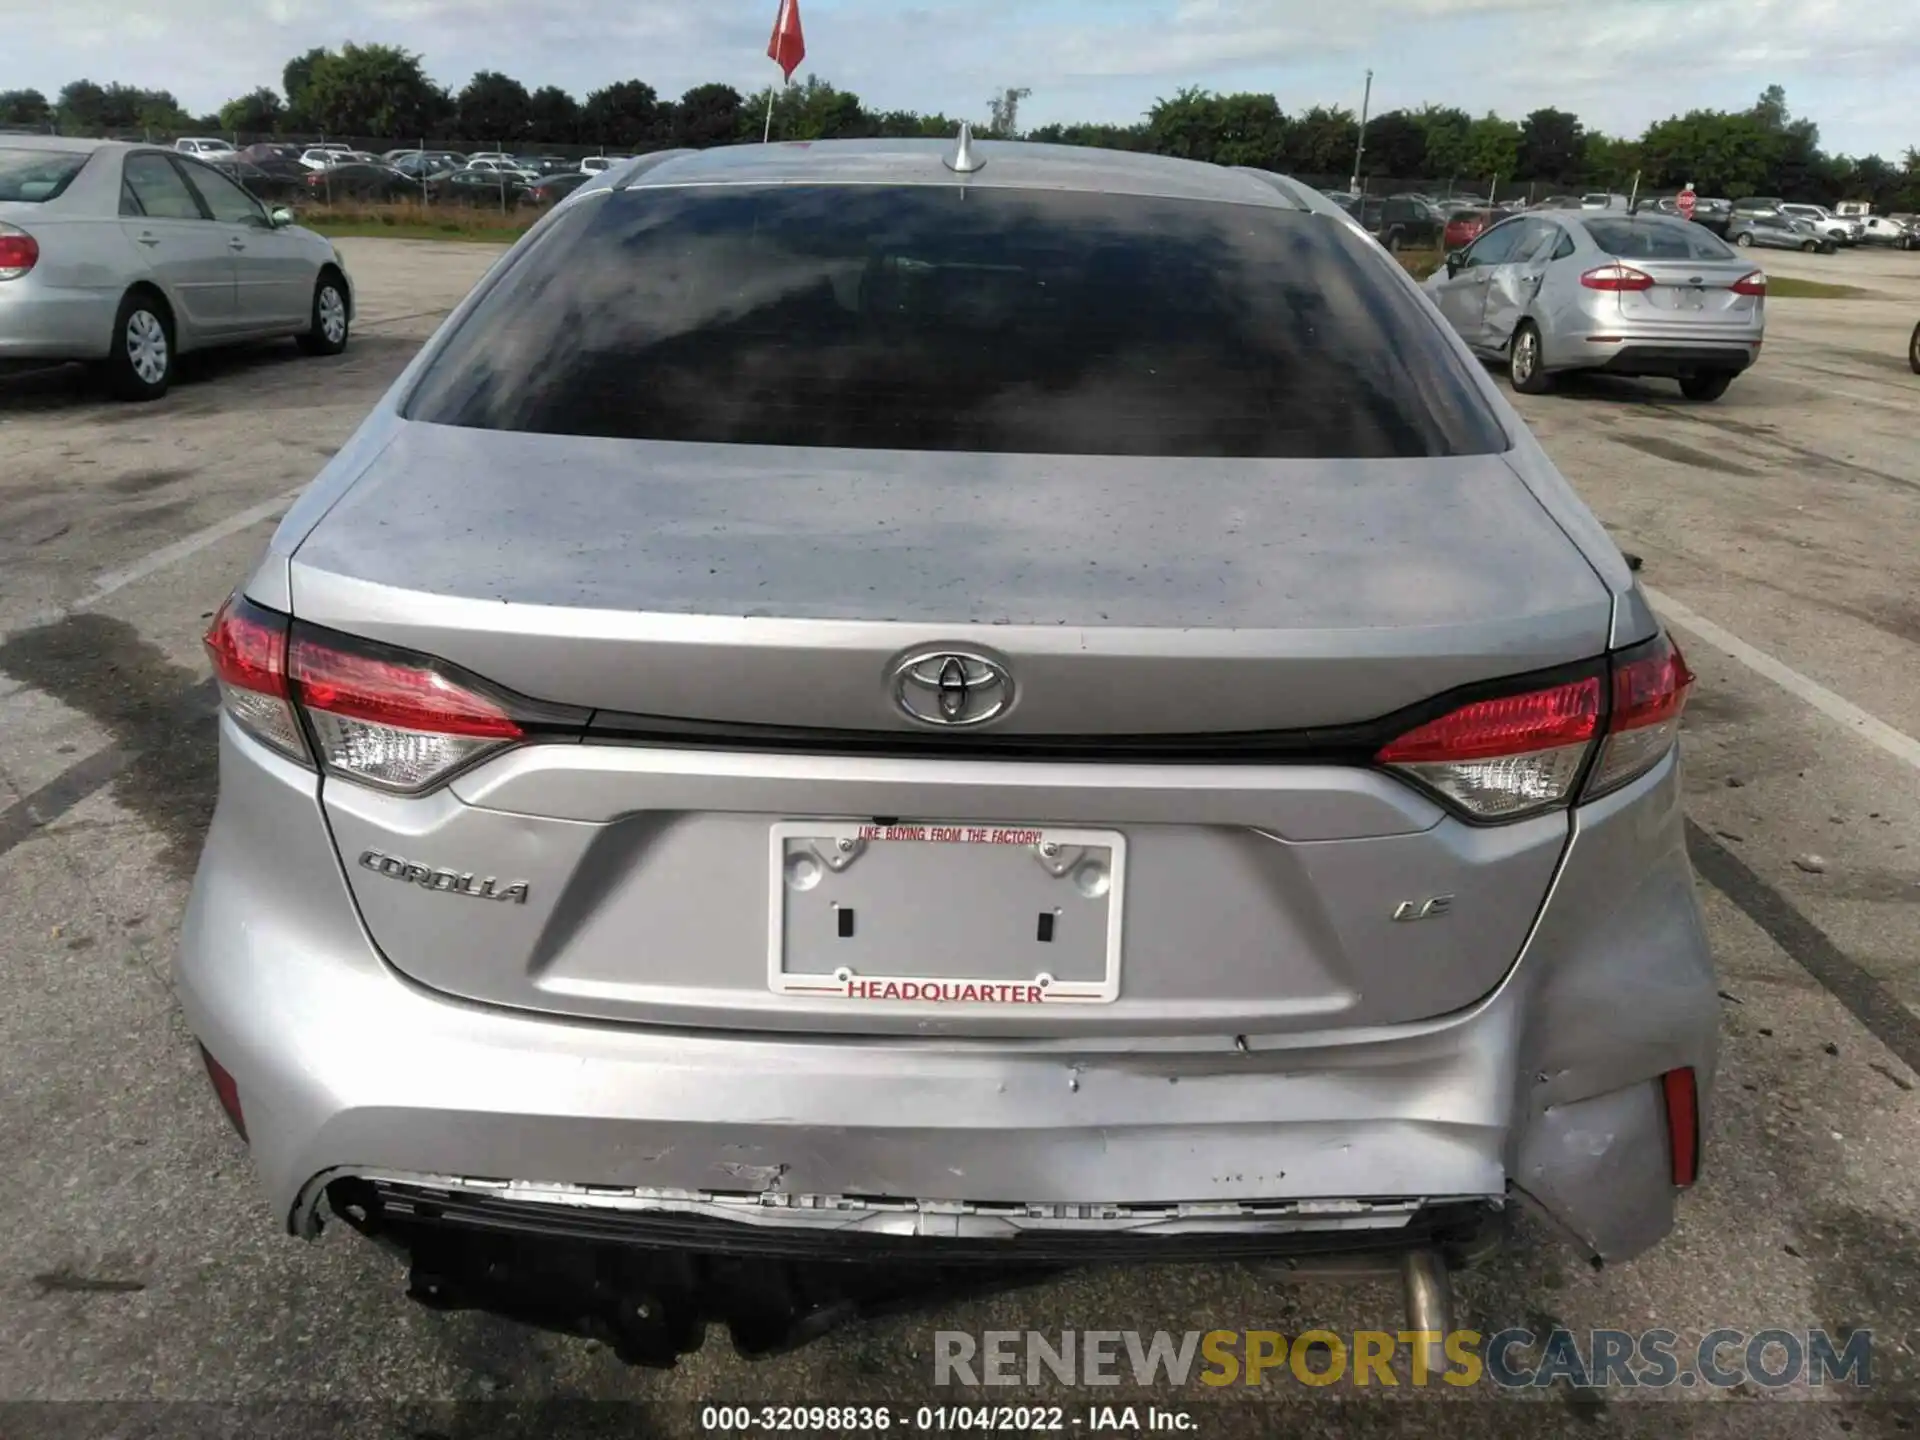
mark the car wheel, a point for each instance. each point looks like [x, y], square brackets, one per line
[140, 366]
[1745, 237]
[1913, 351]
[331, 320]
[1809, 246]
[1526, 371]
[1707, 385]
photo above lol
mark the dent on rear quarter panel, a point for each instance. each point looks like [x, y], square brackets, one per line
[1619, 988]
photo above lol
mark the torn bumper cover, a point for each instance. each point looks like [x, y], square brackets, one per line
[645, 1272]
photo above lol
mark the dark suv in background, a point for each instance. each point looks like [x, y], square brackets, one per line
[1400, 222]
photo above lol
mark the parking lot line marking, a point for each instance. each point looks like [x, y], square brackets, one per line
[109, 581]
[1868, 727]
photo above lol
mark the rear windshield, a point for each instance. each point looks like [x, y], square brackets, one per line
[946, 318]
[1656, 240]
[35, 175]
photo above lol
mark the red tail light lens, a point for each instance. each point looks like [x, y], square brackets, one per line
[1650, 686]
[1754, 284]
[1682, 1097]
[248, 648]
[1617, 277]
[19, 252]
[226, 1089]
[1504, 758]
[391, 721]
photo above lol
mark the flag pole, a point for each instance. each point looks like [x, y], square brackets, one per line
[766, 135]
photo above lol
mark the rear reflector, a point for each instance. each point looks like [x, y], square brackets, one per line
[1754, 284]
[393, 722]
[226, 1089]
[248, 648]
[1683, 1124]
[1617, 277]
[1650, 686]
[1503, 758]
[19, 252]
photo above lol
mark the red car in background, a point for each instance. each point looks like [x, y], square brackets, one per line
[1465, 227]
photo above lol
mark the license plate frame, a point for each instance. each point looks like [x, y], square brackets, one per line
[898, 988]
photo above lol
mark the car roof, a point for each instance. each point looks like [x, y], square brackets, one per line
[1002, 164]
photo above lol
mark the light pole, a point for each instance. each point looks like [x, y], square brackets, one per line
[1360, 146]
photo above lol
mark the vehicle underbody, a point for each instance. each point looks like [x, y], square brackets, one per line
[646, 1278]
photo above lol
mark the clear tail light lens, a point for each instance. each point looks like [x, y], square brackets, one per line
[393, 722]
[1617, 277]
[1754, 284]
[1504, 758]
[1650, 686]
[248, 648]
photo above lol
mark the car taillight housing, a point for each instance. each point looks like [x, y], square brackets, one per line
[1511, 756]
[1650, 685]
[1754, 284]
[394, 723]
[1617, 277]
[360, 710]
[19, 252]
[1504, 758]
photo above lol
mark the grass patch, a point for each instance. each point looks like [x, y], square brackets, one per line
[1421, 263]
[1785, 287]
[413, 221]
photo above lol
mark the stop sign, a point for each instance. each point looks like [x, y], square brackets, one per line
[1685, 203]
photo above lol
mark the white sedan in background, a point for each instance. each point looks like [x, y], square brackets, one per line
[126, 256]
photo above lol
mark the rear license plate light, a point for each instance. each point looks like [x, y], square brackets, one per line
[945, 913]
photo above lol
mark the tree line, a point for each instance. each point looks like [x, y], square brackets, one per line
[383, 92]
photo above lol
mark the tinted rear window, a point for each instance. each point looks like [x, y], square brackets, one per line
[942, 318]
[31, 176]
[1656, 240]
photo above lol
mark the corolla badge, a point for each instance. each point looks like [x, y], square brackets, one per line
[951, 687]
[447, 882]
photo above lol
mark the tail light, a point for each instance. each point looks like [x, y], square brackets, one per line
[248, 648]
[1650, 686]
[394, 723]
[1517, 755]
[366, 712]
[1754, 284]
[19, 252]
[1681, 1093]
[1617, 277]
[1504, 758]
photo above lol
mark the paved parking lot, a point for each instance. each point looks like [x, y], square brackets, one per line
[137, 1262]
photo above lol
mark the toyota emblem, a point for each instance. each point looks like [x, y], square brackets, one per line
[951, 687]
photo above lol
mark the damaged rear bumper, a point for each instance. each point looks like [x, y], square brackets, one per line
[1548, 1086]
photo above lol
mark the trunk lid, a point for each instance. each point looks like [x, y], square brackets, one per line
[772, 586]
[1691, 293]
[653, 882]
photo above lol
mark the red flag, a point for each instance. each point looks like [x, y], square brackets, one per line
[788, 47]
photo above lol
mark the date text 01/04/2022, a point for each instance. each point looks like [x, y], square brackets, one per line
[942, 1419]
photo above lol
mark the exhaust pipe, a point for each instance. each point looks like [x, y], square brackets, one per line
[1429, 1291]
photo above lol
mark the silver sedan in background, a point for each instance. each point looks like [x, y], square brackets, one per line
[1597, 290]
[1774, 230]
[126, 256]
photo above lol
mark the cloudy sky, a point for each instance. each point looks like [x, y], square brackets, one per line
[1852, 65]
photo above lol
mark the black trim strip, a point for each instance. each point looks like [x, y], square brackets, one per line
[1354, 744]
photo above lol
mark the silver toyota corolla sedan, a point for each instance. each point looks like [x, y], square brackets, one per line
[127, 256]
[894, 699]
[1624, 294]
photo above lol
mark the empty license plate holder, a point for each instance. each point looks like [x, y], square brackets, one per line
[955, 913]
